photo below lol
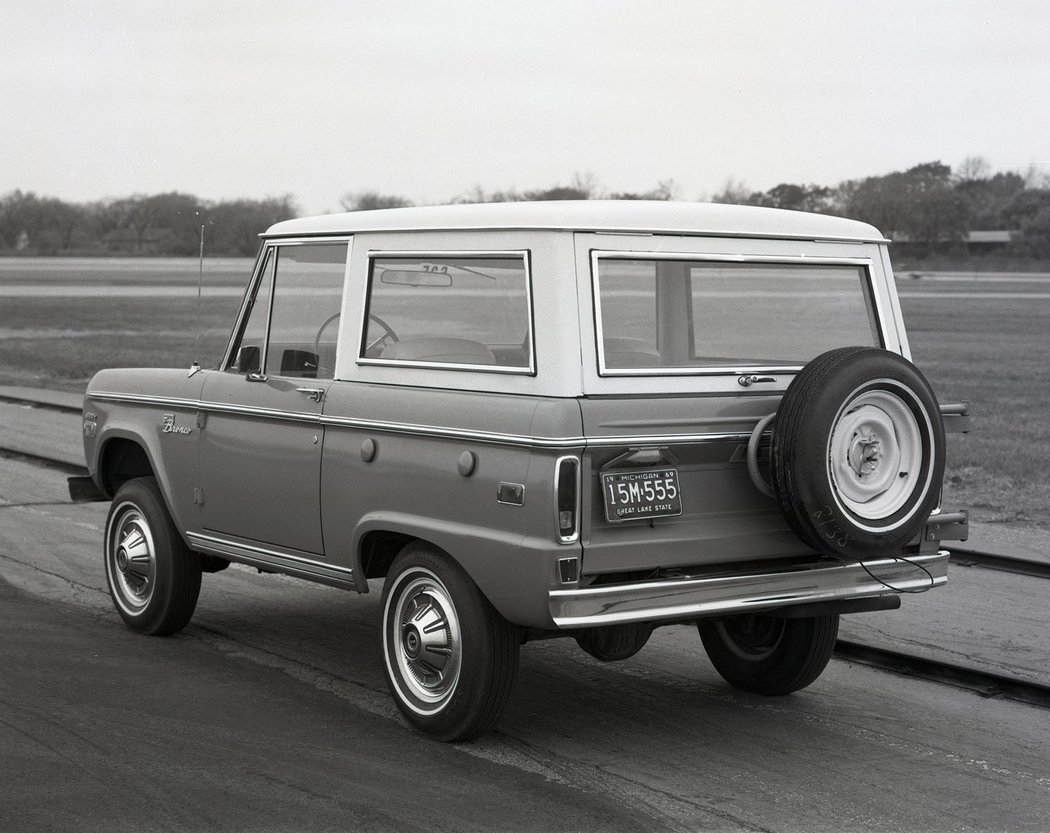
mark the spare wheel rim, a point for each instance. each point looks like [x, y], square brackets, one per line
[875, 455]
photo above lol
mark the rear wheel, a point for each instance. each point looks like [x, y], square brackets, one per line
[450, 657]
[767, 654]
[154, 578]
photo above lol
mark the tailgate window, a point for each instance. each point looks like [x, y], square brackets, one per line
[680, 315]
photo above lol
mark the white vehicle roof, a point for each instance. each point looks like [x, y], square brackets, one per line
[646, 216]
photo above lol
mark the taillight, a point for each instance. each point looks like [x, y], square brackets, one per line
[567, 498]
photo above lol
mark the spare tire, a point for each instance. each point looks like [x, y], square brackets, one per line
[857, 453]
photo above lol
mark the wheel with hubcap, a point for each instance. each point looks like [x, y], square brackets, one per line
[154, 578]
[858, 453]
[767, 654]
[450, 657]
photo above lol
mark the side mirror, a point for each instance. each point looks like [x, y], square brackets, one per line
[248, 359]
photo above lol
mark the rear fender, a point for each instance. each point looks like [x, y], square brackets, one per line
[513, 573]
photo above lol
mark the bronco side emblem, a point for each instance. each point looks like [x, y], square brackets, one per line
[169, 426]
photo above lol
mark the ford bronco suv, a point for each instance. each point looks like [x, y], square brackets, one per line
[582, 419]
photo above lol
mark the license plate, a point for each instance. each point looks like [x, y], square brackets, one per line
[640, 494]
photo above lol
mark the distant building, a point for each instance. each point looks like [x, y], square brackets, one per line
[987, 242]
[976, 242]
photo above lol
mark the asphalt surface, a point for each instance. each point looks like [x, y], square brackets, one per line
[269, 712]
[102, 729]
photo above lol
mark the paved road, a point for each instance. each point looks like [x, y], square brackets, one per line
[41, 431]
[270, 712]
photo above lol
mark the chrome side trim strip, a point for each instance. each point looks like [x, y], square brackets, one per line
[688, 598]
[197, 405]
[420, 430]
[277, 560]
[259, 413]
[140, 399]
[453, 433]
[556, 443]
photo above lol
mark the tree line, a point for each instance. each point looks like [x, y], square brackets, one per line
[928, 207]
[159, 224]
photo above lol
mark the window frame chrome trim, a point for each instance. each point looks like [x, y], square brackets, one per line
[865, 263]
[241, 321]
[526, 257]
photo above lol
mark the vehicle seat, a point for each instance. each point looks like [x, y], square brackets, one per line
[622, 351]
[438, 349]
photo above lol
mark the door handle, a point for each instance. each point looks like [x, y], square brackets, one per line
[314, 394]
[748, 381]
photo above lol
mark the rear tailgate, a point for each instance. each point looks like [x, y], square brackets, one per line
[681, 482]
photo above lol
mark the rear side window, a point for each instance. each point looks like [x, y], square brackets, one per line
[462, 311]
[681, 315]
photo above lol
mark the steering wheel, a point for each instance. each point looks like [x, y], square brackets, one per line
[388, 334]
[321, 329]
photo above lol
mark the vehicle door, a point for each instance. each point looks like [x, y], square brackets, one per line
[262, 438]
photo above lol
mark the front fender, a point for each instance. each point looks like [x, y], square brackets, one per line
[157, 411]
[169, 482]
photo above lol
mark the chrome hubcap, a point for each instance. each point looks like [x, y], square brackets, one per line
[424, 641]
[132, 557]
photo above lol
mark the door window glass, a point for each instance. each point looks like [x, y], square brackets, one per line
[297, 308]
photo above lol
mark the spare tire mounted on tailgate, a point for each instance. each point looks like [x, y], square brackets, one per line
[858, 453]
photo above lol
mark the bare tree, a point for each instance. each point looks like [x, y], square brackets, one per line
[973, 168]
[734, 192]
[371, 200]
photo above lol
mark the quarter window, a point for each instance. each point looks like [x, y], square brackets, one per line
[465, 311]
[683, 315]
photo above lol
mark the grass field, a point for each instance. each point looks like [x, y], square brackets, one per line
[980, 340]
[992, 352]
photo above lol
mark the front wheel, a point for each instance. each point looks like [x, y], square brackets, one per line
[767, 654]
[154, 578]
[450, 657]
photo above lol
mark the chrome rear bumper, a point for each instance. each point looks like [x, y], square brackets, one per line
[693, 597]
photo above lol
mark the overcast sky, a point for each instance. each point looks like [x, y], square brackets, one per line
[226, 99]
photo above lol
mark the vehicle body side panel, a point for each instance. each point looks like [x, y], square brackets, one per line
[156, 409]
[429, 464]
